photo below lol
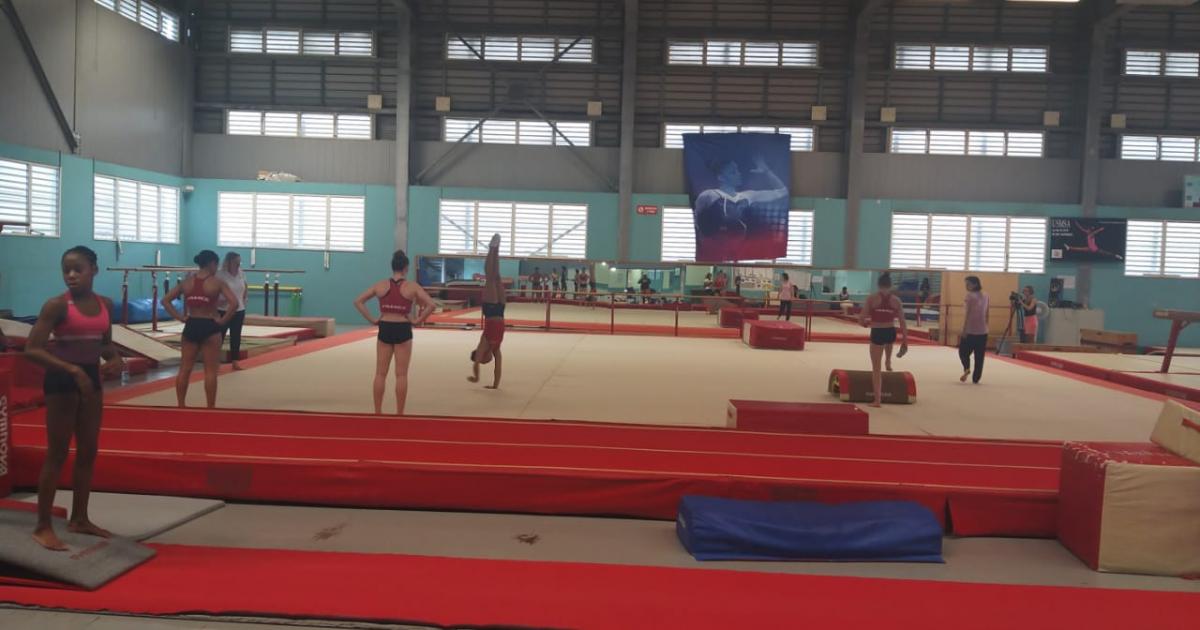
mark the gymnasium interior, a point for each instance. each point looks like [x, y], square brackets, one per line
[669, 446]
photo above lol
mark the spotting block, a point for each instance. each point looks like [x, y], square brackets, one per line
[1130, 508]
[855, 386]
[712, 528]
[732, 316]
[797, 417]
[772, 334]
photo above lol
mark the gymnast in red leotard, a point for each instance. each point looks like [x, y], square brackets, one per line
[880, 312]
[393, 342]
[493, 317]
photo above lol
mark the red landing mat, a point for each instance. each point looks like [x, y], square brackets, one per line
[489, 593]
[1007, 488]
[1132, 379]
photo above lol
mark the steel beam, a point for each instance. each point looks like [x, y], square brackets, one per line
[1089, 176]
[857, 112]
[403, 120]
[574, 150]
[420, 178]
[625, 169]
[69, 135]
[1089, 179]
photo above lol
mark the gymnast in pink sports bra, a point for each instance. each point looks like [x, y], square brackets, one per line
[79, 321]
[881, 311]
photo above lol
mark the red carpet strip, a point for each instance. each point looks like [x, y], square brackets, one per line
[1127, 378]
[550, 468]
[490, 593]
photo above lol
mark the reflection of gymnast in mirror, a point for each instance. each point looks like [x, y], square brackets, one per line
[493, 316]
[1092, 247]
[726, 211]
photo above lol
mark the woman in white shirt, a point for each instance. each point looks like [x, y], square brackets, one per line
[787, 292]
[232, 275]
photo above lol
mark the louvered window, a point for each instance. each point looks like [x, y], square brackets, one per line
[133, 211]
[29, 195]
[548, 230]
[974, 243]
[284, 221]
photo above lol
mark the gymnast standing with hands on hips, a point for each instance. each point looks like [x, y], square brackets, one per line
[202, 325]
[396, 296]
[880, 312]
[80, 321]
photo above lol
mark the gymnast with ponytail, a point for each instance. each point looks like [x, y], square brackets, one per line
[202, 324]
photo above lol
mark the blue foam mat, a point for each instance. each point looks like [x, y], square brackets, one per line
[713, 528]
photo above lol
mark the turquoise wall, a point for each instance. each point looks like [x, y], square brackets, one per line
[29, 265]
[1128, 303]
[29, 272]
[327, 292]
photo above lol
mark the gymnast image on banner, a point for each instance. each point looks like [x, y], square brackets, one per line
[739, 188]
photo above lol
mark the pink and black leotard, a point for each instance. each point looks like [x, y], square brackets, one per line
[79, 340]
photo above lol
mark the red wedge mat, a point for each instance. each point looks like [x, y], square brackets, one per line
[475, 593]
[548, 467]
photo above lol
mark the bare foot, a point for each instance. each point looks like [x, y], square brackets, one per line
[889, 367]
[491, 387]
[48, 539]
[89, 528]
[237, 367]
[875, 404]
[473, 379]
[963, 378]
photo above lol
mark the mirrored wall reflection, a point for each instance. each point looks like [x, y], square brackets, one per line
[755, 284]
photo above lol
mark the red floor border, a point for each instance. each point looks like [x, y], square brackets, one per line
[1128, 382]
[463, 592]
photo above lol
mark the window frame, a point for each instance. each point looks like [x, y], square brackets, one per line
[1162, 54]
[1162, 253]
[292, 221]
[743, 44]
[786, 260]
[30, 231]
[967, 144]
[970, 257]
[561, 42]
[162, 16]
[300, 115]
[970, 68]
[116, 222]
[300, 42]
[1158, 147]
[510, 240]
[477, 135]
[738, 128]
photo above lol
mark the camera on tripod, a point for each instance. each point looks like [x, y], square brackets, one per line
[1014, 298]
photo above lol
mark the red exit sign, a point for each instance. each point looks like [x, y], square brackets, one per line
[647, 210]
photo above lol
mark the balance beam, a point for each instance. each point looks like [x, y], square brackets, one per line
[1179, 321]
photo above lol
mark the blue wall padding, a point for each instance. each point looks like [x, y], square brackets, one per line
[139, 311]
[882, 531]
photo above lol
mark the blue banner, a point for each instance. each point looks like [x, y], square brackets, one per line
[739, 186]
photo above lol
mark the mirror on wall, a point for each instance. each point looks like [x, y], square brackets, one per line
[753, 284]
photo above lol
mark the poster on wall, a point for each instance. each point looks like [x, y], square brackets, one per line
[1087, 240]
[739, 188]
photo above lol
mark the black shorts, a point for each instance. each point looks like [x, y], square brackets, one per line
[59, 382]
[395, 333]
[199, 329]
[883, 336]
[493, 309]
